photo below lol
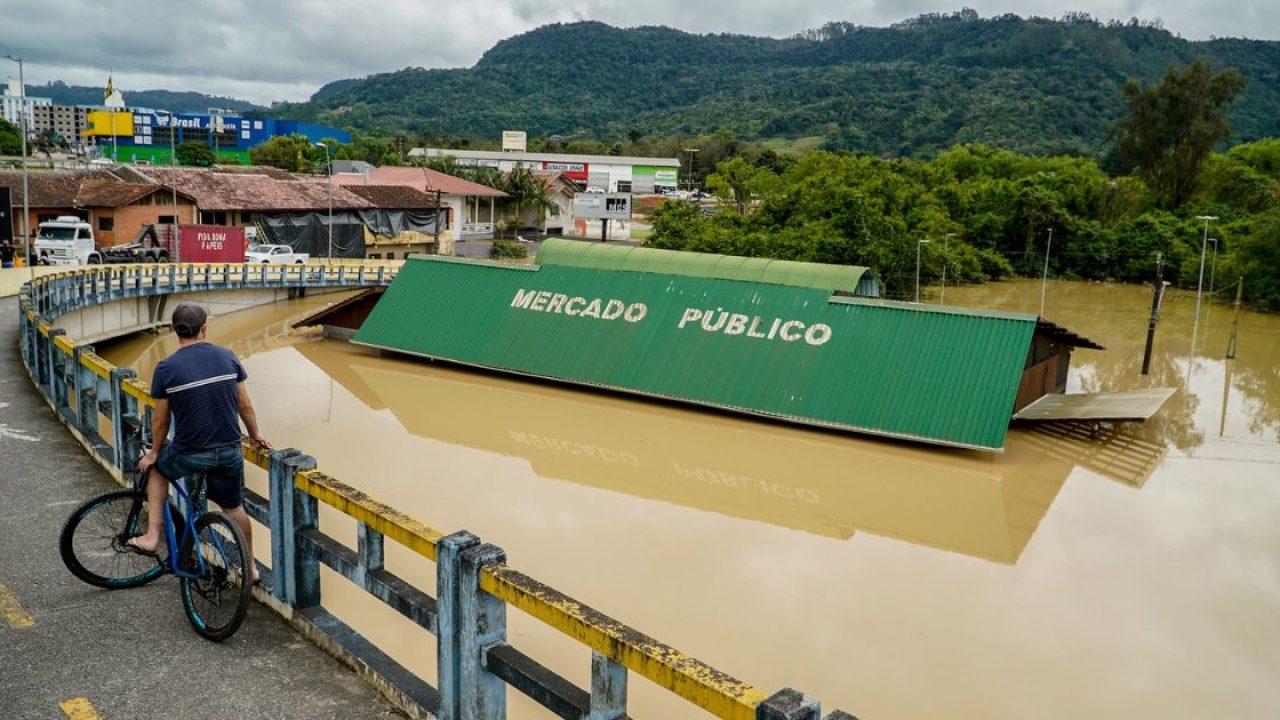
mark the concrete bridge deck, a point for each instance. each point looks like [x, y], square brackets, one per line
[71, 650]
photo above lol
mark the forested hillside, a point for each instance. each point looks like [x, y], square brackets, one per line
[173, 101]
[1029, 85]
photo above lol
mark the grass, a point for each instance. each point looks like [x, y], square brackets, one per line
[644, 234]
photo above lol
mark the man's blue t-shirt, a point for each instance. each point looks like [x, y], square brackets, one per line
[200, 383]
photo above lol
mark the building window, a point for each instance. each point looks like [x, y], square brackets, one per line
[246, 218]
[375, 256]
[106, 224]
[164, 220]
[624, 186]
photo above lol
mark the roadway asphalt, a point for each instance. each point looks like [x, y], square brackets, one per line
[128, 653]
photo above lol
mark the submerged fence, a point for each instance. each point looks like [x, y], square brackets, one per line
[474, 583]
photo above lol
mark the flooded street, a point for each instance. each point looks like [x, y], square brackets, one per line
[1132, 574]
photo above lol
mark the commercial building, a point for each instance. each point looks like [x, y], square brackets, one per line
[801, 343]
[66, 121]
[149, 136]
[13, 106]
[473, 207]
[640, 175]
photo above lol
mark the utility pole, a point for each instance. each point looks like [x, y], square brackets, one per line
[174, 242]
[691, 151]
[1235, 321]
[1155, 313]
[26, 192]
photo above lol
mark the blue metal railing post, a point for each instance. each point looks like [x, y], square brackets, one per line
[48, 379]
[448, 572]
[24, 329]
[482, 624]
[788, 704]
[86, 393]
[125, 437]
[608, 689]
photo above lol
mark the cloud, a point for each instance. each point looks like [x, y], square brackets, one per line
[285, 49]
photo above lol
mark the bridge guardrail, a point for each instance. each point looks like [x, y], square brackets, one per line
[474, 583]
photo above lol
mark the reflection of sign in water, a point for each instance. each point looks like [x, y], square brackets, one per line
[985, 506]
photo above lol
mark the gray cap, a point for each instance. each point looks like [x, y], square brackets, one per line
[188, 318]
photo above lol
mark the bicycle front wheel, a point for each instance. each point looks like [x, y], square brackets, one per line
[217, 599]
[92, 543]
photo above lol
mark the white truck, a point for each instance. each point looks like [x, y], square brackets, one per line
[69, 240]
[275, 255]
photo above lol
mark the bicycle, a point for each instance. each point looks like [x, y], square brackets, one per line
[208, 556]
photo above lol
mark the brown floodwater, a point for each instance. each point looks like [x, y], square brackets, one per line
[1130, 574]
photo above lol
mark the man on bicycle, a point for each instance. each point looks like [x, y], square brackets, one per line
[201, 386]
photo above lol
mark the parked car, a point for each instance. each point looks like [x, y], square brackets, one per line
[275, 255]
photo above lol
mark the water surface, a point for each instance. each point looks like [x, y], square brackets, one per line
[1134, 572]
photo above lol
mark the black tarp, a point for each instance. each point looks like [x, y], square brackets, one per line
[6, 214]
[309, 233]
[390, 223]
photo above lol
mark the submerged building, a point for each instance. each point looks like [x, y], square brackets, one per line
[798, 342]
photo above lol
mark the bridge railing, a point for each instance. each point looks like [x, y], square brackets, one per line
[474, 582]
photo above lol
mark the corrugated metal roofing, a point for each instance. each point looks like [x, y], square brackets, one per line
[424, 179]
[912, 371]
[836, 278]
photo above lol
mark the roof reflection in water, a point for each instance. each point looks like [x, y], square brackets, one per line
[973, 503]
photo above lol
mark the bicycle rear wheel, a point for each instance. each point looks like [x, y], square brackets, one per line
[216, 601]
[92, 543]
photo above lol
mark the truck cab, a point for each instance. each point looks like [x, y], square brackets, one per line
[67, 240]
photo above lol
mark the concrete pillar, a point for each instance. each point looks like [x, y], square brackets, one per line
[608, 689]
[296, 575]
[482, 624]
[448, 571]
[788, 704]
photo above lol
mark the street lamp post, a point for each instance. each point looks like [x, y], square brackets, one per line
[918, 244]
[329, 165]
[1195, 326]
[942, 295]
[1044, 278]
[26, 194]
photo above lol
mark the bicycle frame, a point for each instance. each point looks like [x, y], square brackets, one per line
[195, 507]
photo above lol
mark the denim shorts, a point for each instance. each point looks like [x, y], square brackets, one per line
[223, 470]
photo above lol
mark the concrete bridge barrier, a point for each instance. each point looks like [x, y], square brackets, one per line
[475, 585]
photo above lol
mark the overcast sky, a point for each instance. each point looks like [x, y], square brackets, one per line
[265, 50]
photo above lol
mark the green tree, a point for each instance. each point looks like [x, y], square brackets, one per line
[294, 153]
[736, 181]
[1172, 127]
[195, 153]
[10, 138]
[1255, 257]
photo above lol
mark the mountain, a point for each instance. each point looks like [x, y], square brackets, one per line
[183, 102]
[1031, 85]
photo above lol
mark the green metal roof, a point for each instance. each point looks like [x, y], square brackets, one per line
[860, 281]
[934, 374]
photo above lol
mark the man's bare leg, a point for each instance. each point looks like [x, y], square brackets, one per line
[239, 517]
[157, 496]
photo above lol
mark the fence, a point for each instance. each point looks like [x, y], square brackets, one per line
[474, 583]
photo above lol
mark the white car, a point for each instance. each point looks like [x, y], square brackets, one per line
[275, 255]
